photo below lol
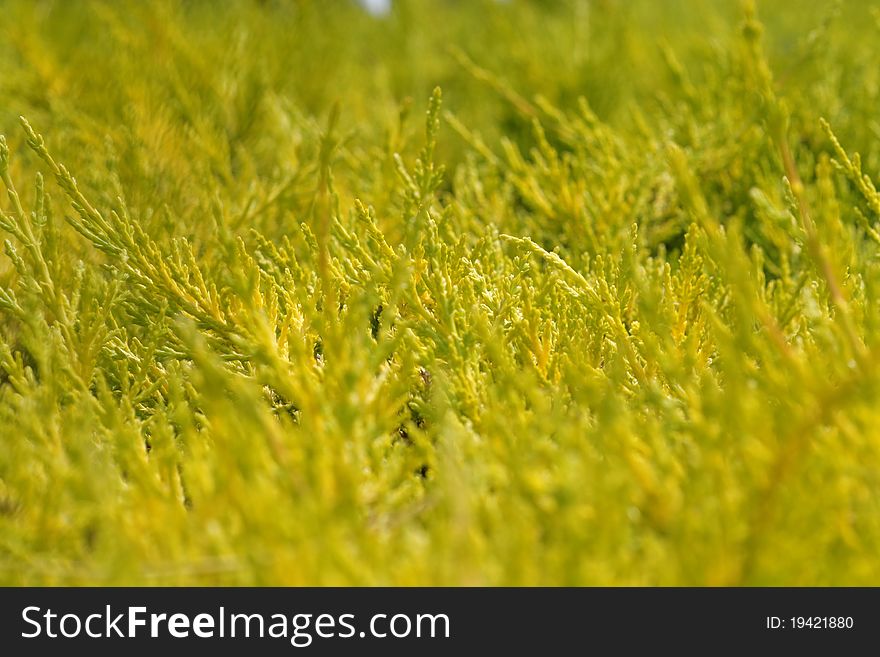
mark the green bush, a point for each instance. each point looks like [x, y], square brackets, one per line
[609, 315]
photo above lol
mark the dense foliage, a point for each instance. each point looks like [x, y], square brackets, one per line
[272, 312]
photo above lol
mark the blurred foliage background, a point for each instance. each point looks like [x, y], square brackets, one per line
[273, 313]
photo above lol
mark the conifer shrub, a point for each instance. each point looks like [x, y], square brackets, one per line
[275, 310]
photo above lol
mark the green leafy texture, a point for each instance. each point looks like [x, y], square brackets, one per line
[607, 315]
